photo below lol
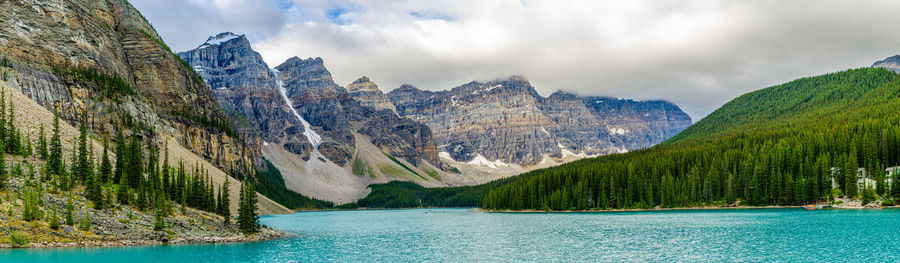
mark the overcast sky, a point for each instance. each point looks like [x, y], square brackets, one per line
[697, 54]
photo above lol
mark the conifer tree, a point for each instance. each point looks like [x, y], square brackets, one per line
[225, 203]
[160, 223]
[70, 220]
[122, 195]
[81, 159]
[247, 219]
[121, 156]
[850, 178]
[54, 220]
[55, 163]
[165, 171]
[105, 171]
[4, 175]
[85, 223]
[12, 134]
[134, 163]
[42, 144]
[3, 117]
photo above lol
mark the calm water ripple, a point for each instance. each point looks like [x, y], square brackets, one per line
[466, 235]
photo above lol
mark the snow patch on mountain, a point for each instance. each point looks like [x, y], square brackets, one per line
[218, 39]
[484, 162]
[310, 134]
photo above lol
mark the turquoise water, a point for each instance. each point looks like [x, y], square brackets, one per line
[466, 235]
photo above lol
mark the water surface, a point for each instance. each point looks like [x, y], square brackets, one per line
[467, 235]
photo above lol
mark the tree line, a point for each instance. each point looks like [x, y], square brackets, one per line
[782, 145]
[147, 183]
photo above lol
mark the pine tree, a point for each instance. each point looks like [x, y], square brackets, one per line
[3, 117]
[12, 133]
[105, 165]
[225, 203]
[55, 163]
[70, 220]
[54, 220]
[134, 163]
[121, 156]
[160, 223]
[850, 177]
[4, 175]
[247, 219]
[122, 195]
[85, 223]
[81, 160]
[42, 144]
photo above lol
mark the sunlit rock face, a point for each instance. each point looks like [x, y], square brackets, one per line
[508, 120]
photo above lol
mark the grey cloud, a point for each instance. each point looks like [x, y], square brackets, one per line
[698, 54]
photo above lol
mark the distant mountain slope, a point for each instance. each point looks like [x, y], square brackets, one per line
[324, 143]
[891, 63]
[506, 121]
[802, 100]
[782, 145]
[774, 146]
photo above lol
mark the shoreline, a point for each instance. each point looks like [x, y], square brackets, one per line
[683, 209]
[835, 207]
[265, 234]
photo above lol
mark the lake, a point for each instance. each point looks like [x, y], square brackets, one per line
[467, 235]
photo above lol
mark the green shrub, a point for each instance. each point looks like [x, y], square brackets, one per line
[887, 202]
[868, 196]
[85, 223]
[839, 202]
[361, 168]
[54, 220]
[434, 174]
[18, 239]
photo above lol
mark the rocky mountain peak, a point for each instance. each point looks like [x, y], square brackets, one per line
[362, 84]
[562, 95]
[891, 63]
[367, 93]
[222, 38]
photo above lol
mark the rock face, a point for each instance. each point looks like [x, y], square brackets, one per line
[246, 88]
[891, 63]
[102, 62]
[508, 121]
[153, 93]
[366, 92]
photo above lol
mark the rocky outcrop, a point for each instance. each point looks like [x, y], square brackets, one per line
[135, 82]
[891, 63]
[366, 92]
[507, 122]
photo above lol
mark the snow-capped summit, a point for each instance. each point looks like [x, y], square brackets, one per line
[219, 39]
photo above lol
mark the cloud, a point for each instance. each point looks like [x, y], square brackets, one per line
[698, 54]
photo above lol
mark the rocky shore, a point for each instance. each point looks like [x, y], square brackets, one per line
[113, 226]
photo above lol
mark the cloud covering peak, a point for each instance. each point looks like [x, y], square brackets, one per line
[698, 54]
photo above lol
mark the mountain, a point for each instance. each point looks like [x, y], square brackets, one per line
[323, 142]
[891, 63]
[783, 145]
[331, 142]
[506, 121]
[104, 59]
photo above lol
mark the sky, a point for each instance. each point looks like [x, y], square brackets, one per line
[696, 54]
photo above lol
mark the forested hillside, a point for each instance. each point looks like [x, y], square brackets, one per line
[775, 146]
